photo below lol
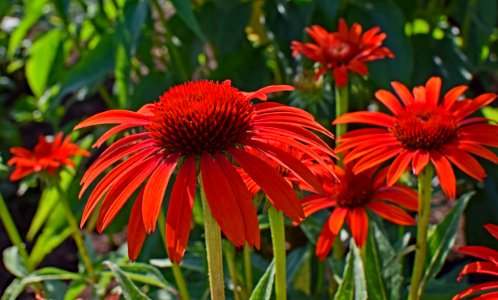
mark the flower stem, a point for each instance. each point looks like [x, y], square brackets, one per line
[213, 247]
[278, 239]
[11, 229]
[248, 268]
[341, 107]
[75, 231]
[229, 250]
[177, 271]
[424, 196]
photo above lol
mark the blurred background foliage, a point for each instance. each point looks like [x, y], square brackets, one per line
[62, 61]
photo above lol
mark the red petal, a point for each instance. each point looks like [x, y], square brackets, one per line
[481, 267]
[179, 217]
[493, 229]
[261, 93]
[452, 95]
[480, 252]
[366, 117]
[420, 160]
[338, 215]
[479, 151]
[325, 240]
[391, 213]
[136, 229]
[476, 288]
[474, 105]
[271, 182]
[403, 93]
[375, 158]
[358, 67]
[390, 101]
[155, 190]
[244, 200]
[444, 173]
[398, 194]
[358, 223]
[399, 166]
[433, 90]
[109, 133]
[487, 296]
[222, 201]
[116, 116]
[311, 207]
[340, 76]
[464, 161]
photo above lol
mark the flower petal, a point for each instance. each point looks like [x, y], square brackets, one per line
[403, 93]
[340, 76]
[399, 166]
[116, 116]
[391, 212]
[445, 174]
[325, 240]
[358, 223]
[390, 101]
[420, 161]
[476, 288]
[179, 217]
[136, 228]
[366, 117]
[481, 267]
[433, 90]
[480, 252]
[464, 161]
[337, 218]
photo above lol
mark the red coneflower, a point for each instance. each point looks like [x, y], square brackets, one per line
[488, 266]
[343, 50]
[48, 155]
[350, 196]
[422, 130]
[200, 127]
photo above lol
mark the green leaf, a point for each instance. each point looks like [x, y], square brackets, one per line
[41, 59]
[130, 290]
[147, 274]
[442, 237]
[18, 285]
[263, 289]
[62, 7]
[33, 10]
[74, 289]
[373, 267]
[360, 285]
[185, 12]
[13, 262]
[346, 287]
[490, 113]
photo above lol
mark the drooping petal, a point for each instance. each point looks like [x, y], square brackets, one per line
[244, 200]
[337, 219]
[271, 182]
[391, 213]
[311, 207]
[358, 223]
[480, 252]
[420, 161]
[481, 267]
[155, 190]
[492, 229]
[136, 228]
[325, 240]
[390, 101]
[358, 66]
[476, 288]
[464, 161]
[261, 93]
[375, 158]
[222, 201]
[179, 217]
[366, 117]
[398, 194]
[399, 166]
[444, 173]
[479, 151]
[116, 116]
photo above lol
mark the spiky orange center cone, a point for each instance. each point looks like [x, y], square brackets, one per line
[208, 128]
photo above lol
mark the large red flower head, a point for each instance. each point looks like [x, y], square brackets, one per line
[49, 155]
[489, 266]
[422, 130]
[350, 196]
[200, 127]
[343, 50]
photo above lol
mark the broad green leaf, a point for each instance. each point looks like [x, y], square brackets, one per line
[346, 287]
[185, 12]
[360, 285]
[62, 7]
[302, 278]
[442, 237]
[130, 290]
[295, 261]
[147, 274]
[41, 58]
[264, 288]
[373, 267]
[33, 10]
[13, 262]
[18, 285]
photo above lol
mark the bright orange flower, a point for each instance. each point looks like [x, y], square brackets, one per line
[488, 266]
[350, 196]
[343, 50]
[200, 127]
[47, 156]
[422, 130]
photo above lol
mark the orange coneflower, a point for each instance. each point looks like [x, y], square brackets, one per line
[350, 195]
[343, 50]
[422, 130]
[48, 155]
[489, 266]
[200, 127]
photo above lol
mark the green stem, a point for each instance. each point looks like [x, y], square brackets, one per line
[424, 194]
[177, 271]
[13, 234]
[341, 107]
[248, 268]
[213, 247]
[278, 239]
[75, 231]
[229, 251]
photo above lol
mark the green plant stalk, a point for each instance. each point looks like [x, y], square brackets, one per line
[229, 251]
[248, 268]
[341, 107]
[177, 271]
[278, 240]
[75, 231]
[14, 236]
[214, 250]
[424, 196]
